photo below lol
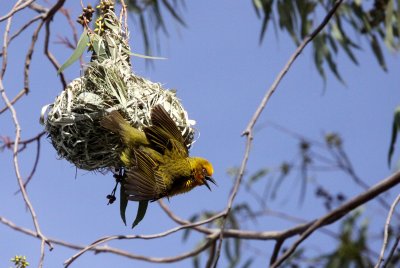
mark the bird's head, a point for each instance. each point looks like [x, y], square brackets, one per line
[202, 171]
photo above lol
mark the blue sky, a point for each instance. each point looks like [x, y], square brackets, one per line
[221, 73]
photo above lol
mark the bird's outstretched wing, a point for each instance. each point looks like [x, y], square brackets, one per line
[164, 136]
[143, 182]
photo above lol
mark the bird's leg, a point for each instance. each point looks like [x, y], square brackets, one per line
[118, 179]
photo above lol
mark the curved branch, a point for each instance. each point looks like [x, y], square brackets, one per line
[50, 55]
[146, 237]
[107, 249]
[249, 130]
[18, 175]
[180, 257]
[18, 7]
[386, 233]
[340, 212]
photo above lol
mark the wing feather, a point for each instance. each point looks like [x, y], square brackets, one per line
[164, 135]
[141, 182]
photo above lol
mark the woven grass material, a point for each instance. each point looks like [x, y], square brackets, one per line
[108, 84]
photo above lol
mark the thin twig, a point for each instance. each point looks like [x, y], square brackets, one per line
[27, 141]
[16, 147]
[22, 29]
[383, 186]
[71, 23]
[233, 195]
[280, 76]
[35, 164]
[50, 55]
[13, 101]
[250, 127]
[386, 232]
[17, 7]
[18, 175]
[180, 257]
[28, 56]
[102, 249]
[124, 14]
[277, 248]
[146, 237]
[341, 211]
[391, 253]
[211, 257]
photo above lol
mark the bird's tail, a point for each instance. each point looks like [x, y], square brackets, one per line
[114, 122]
[117, 124]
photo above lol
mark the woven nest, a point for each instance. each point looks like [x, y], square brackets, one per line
[108, 84]
[73, 119]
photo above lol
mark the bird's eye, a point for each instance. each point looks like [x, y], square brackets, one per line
[204, 171]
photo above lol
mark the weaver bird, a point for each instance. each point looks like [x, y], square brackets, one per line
[156, 159]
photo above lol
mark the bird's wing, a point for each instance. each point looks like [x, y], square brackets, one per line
[164, 135]
[143, 182]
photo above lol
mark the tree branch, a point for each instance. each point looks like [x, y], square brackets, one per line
[386, 232]
[249, 130]
[341, 211]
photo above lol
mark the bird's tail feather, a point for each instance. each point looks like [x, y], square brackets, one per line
[117, 124]
[114, 122]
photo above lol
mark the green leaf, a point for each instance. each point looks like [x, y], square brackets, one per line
[248, 263]
[395, 129]
[258, 175]
[186, 232]
[123, 203]
[157, 16]
[145, 34]
[80, 48]
[233, 257]
[347, 44]
[140, 213]
[228, 253]
[245, 208]
[319, 47]
[257, 5]
[333, 67]
[110, 25]
[305, 9]
[397, 19]
[376, 48]
[147, 57]
[389, 24]
[287, 19]
[267, 8]
[98, 46]
[173, 13]
[196, 261]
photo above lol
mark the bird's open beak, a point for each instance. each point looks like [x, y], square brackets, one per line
[208, 178]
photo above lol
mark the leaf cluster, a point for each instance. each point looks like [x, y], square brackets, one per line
[377, 25]
[150, 16]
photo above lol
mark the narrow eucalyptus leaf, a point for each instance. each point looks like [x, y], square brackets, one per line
[395, 130]
[258, 175]
[123, 203]
[80, 48]
[173, 13]
[140, 213]
[389, 23]
[376, 48]
[248, 263]
[186, 232]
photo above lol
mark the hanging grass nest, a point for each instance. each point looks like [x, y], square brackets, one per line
[108, 84]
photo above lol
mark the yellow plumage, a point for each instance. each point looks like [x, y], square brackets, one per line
[157, 160]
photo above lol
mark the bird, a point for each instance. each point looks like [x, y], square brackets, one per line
[157, 160]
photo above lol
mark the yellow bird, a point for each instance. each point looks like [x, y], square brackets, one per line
[156, 159]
